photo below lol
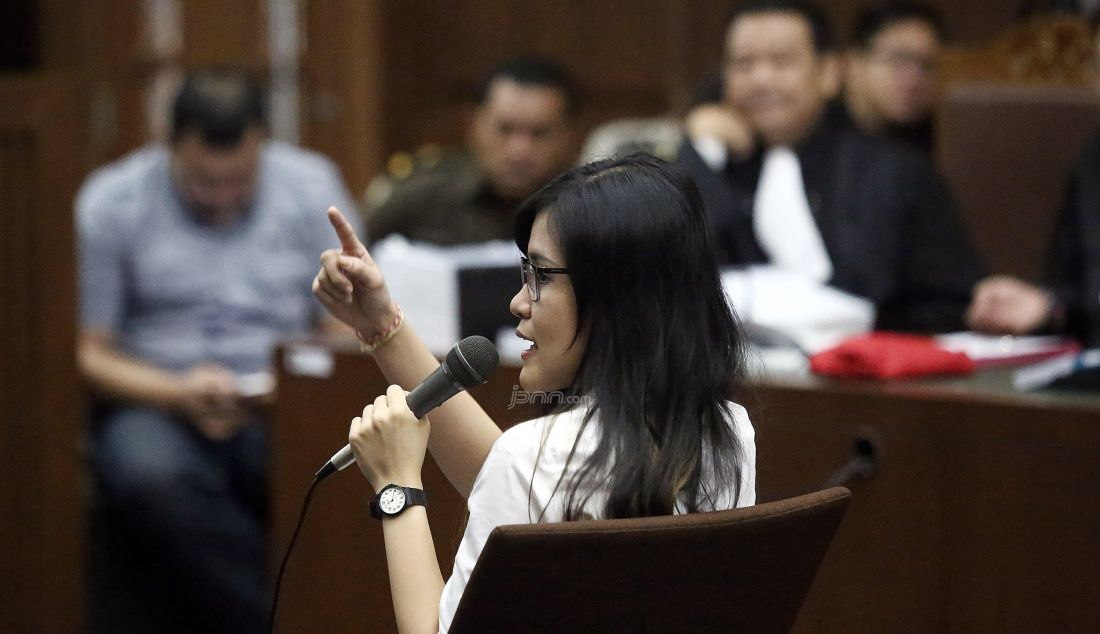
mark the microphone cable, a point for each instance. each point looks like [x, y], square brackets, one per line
[469, 363]
[286, 556]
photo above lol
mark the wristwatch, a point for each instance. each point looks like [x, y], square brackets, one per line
[392, 500]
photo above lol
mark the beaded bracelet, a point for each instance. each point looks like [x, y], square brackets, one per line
[369, 344]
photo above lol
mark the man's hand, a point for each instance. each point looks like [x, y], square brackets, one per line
[1006, 305]
[209, 399]
[350, 285]
[722, 123]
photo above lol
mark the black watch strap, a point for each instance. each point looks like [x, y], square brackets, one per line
[413, 497]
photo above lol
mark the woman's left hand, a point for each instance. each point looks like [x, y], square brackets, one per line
[389, 443]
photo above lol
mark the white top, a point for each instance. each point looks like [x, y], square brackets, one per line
[515, 484]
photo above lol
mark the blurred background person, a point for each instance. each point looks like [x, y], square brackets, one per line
[819, 199]
[522, 133]
[716, 129]
[357, 81]
[195, 259]
[891, 83]
[1068, 299]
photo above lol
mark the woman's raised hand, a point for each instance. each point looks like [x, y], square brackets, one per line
[350, 285]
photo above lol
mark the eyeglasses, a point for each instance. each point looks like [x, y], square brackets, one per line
[533, 275]
[904, 60]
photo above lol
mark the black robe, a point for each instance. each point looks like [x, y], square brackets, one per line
[887, 220]
[1073, 264]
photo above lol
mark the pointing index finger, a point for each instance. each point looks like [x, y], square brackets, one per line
[348, 240]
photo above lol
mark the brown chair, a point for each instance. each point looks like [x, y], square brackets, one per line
[1006, 151]
[742, 570]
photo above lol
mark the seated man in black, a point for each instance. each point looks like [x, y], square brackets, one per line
[819, 198]
[1069, 301]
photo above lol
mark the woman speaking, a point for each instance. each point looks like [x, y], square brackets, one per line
[624, 311]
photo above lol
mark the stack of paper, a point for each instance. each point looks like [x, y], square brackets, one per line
[988, 350]
[423, 279]
[811, 315]
[1043, 374]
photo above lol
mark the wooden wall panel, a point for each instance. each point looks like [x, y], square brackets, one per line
[97, 45]
[437, 52]
[15, 150]
[1006, 151]
[218, 32]
[41, 524]
[343, 86]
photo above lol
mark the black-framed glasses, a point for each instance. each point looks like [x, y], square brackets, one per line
[904, 60]
[533, 275]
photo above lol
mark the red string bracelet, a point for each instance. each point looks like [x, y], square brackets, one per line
[369, 344]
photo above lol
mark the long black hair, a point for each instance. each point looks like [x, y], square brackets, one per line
[664, 352]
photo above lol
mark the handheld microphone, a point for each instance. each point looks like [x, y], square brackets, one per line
[468, 364]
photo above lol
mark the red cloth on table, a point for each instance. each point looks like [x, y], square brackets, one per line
[888, 355]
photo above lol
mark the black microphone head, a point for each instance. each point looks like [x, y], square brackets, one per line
[472, 360]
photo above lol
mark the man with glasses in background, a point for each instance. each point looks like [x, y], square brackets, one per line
[890, 88]
[818, 199]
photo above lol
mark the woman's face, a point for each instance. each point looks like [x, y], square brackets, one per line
[550, 324]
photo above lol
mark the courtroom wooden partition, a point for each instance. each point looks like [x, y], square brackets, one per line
[42, 518]
[980, 517]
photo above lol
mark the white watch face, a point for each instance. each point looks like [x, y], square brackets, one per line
[392, 500]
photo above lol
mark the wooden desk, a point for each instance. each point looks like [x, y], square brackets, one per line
[982, 515]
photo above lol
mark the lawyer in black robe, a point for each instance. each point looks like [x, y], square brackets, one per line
[886, 218]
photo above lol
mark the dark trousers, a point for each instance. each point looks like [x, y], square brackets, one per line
[179, 526]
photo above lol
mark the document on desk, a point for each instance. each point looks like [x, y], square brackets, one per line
[1046, 373]
[423, 279]
[255, 385]
[992, 350]
[813, 315]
